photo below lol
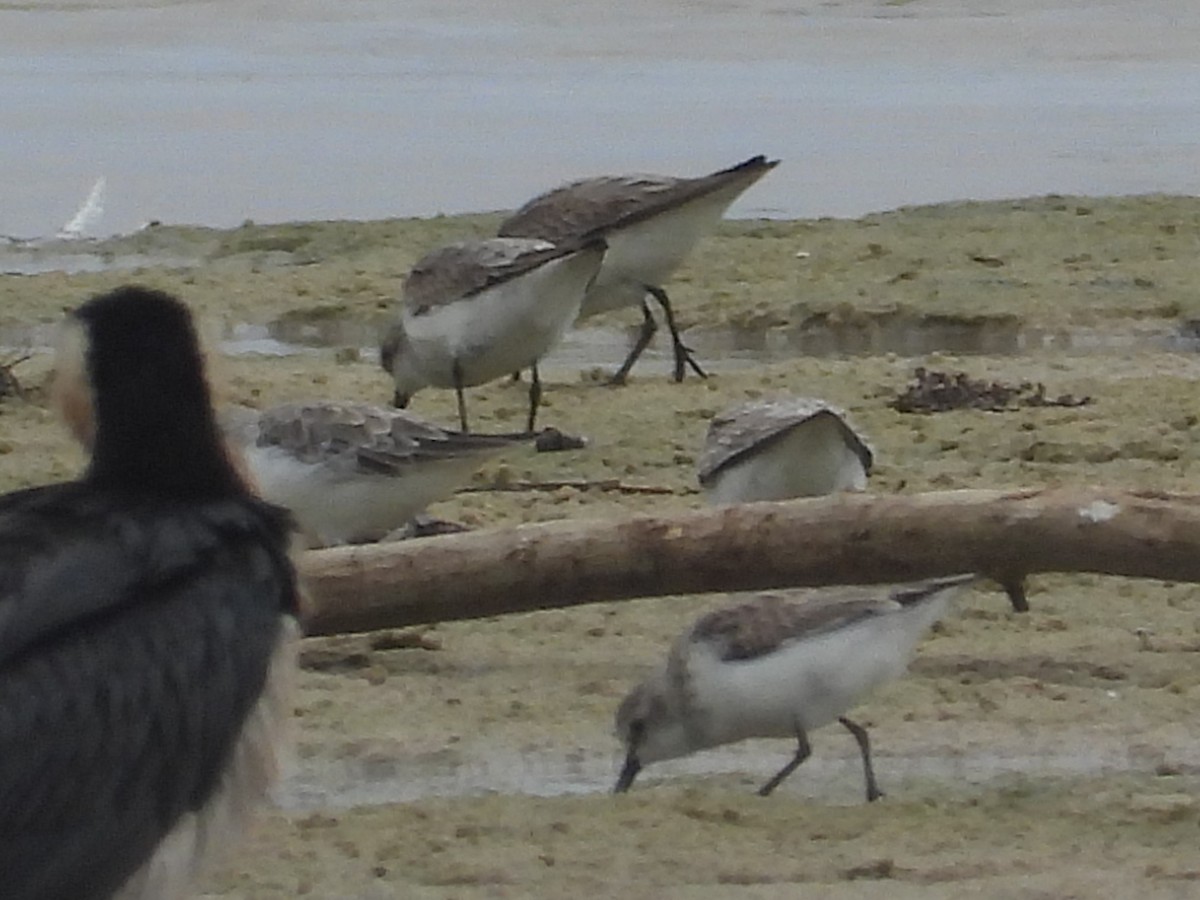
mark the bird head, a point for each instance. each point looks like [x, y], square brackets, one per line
[396, 357]
[649, 728]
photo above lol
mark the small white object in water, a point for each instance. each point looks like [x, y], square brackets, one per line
[87, 215]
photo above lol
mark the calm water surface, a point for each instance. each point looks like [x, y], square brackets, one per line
[215, 112]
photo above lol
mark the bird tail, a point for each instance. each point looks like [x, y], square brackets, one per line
[925, 602]
[921, 591]
[755, 165]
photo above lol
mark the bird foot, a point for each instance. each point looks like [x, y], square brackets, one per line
[684, 359]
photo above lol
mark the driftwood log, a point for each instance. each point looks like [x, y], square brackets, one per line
[845, 539]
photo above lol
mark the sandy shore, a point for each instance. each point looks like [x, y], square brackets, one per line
[1050, 754]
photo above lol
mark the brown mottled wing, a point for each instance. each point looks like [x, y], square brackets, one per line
[738, 431]
[462, 270]
[767, 623]
[617, 201]
[586, 205]
[374, 439]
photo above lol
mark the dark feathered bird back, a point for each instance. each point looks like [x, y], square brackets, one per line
[140, 610]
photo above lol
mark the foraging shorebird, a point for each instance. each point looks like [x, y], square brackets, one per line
[651, 223]
[796, 447]
[147, 624]
[352, 472]
[476, 310]
[773, 668]
[780, 449]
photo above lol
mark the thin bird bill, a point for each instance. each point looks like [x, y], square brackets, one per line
[629, 772]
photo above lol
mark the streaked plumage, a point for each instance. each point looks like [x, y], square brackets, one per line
[476, 310]
[780, 449]
[147, 624]
[777, 668]
[353, 472]
[651, 223]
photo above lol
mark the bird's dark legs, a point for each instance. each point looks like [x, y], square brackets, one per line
[649, 327]
[864, 746]
[462, 403]
[535, 396]
[683, 355]
[803, 751]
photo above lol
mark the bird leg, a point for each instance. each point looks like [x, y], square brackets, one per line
[683, 353]
[649, 327]
[864, 746]
[803, 751]
[535, 397]
[462, 403]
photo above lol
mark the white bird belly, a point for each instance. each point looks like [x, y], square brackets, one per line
[811, 461]
[504, 329]
[650, 251]
[807, 683]
[607, 294]
[340, 507]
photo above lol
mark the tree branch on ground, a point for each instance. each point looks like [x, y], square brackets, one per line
[843, 539]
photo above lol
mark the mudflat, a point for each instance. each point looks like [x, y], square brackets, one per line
[1040, 755]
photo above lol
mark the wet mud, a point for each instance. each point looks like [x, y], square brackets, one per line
[1047, 754]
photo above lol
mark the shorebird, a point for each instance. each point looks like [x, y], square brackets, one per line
[147, 626]
[780, 449]
[476, 310]
[774, 668]
[352, 472]
[651, 223]
[797, 447]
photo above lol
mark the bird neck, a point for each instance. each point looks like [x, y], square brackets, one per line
[163, 442]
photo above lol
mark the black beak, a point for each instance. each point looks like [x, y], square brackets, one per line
[629, 771]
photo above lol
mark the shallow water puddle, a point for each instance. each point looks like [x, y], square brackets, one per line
[716, 349]
[733, 348]
[71, 256]
[375, 779]
[907, 335]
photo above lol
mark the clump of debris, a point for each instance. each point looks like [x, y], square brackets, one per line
[935, 392]
[9, 385]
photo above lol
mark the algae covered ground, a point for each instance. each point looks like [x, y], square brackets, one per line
[1051, 754]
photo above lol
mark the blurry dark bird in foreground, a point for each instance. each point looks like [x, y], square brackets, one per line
[147, 621]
